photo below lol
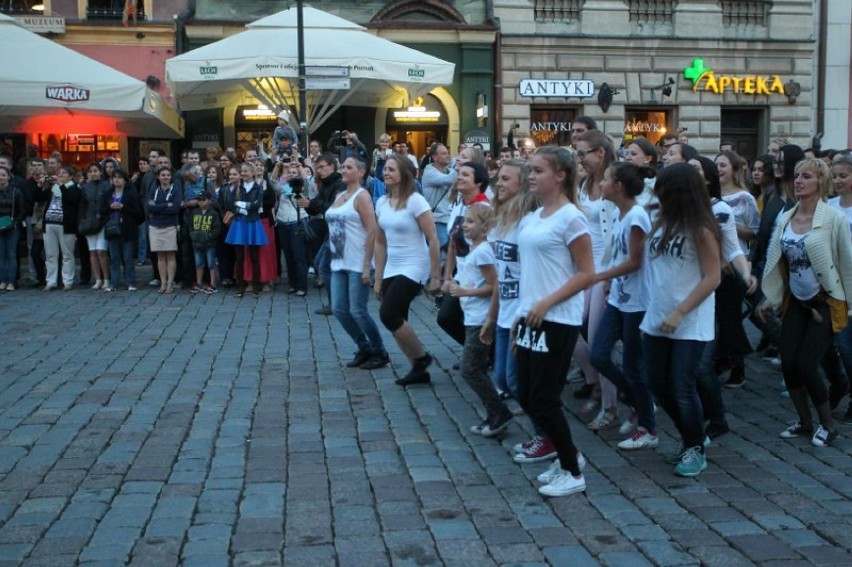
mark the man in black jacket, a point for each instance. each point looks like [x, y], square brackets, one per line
[330, 185]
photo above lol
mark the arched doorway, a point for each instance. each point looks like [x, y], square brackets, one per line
[433, 117]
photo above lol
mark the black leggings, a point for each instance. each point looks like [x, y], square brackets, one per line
[804, 342]
[397, 294]
[543, 357]
[239, 263]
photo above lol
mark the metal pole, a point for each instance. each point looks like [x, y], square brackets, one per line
[303, 95]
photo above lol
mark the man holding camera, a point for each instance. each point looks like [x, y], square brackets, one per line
[346, 144]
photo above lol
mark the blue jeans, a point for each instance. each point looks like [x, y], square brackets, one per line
[205, 257]
[9, 256]
[322, 264]
[505, 364]
[349, 305]
[618, 325]
[122, 253]
[142, 236]
[671, 368]
[709, 387]
[295, 255]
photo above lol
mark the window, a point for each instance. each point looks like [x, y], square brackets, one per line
[650, 123]
[112, 10]
[745, 12]
[652, 11]
[26, 7]
[558, 10]
[551, 124]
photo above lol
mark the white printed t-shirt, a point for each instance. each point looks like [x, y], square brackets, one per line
[673, 274]
[470, 275]
[546, 262]
[627, 293]
[508, 265]
[407, 250]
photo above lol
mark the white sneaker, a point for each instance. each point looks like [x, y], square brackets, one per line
[629, 424]
[98, 284]
[641, 439]
[554, 469]
[564, 484]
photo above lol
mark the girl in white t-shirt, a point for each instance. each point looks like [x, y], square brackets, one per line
[595, 153]
[683, 270]
[473, 285]
[622, 184]
[556, 266]
[406, 254]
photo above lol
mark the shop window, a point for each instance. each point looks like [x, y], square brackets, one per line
[749, 13]
[32, 7]
[112, 10]
[650, 123]
[551, 125]
[652, 11]
[558, 10]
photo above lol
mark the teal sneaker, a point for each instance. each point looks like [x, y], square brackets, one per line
[675, 458]
[692, 463]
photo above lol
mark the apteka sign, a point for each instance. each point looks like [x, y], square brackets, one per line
[719, 84]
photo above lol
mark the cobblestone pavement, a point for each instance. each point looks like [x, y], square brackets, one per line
[156, 430]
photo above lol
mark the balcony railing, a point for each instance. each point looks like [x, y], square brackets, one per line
[558, 10]
[748, 13]
[111, 10]
[652, 11]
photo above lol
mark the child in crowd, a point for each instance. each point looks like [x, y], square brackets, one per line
[475, 282]
[284, 137]
[204, 235]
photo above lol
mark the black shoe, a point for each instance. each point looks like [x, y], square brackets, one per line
[716, 429]
[457, 366]
[497, 425]
[737, 379]
[847, 417]
[411, 379]
[324, 310]
[360, 358]
[375, 361]
[584, 392]
[836, 394]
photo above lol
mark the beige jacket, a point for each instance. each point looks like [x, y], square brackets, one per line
[829, 248]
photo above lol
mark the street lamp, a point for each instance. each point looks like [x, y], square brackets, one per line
[303, 95]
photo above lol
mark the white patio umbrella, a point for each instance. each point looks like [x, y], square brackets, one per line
[42, 80]
[263, 61]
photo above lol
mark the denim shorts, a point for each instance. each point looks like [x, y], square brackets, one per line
[205, 258]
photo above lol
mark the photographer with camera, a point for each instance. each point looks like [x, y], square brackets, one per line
[345, 144]
[293, 226]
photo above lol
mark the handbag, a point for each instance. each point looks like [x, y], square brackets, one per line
[112, 229]
[306, 229]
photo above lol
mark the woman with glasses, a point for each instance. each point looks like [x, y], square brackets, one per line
[595, 153]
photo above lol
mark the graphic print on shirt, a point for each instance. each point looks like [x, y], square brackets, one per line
[674, 247]
[619, 251]
[532, 339]
[508, 281]
[336, 237]
[797, 256]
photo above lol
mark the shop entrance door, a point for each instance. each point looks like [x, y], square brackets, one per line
[743, 127]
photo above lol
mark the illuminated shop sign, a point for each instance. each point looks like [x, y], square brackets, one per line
[568, 88]
[417, 112]
[262, 112]
[641, 127]
[706, 79]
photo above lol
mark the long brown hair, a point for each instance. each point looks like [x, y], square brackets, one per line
[407, 187]
[560, 159]
[507, 214]
[598, 140]
[684, 205]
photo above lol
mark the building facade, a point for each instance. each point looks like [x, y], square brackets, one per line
[716, 69]
[138, 47]
[460, 32]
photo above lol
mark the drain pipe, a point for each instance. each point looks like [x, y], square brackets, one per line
[497, 95]
[180, 26]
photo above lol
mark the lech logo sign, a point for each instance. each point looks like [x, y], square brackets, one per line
[208, 70]
[417, 73]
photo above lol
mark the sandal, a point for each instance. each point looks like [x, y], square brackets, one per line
[590, 406]
[169, 288]
[604, 420]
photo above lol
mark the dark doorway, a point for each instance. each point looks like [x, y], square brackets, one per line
[743, 127]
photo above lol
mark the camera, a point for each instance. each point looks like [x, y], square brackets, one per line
[297, 184]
